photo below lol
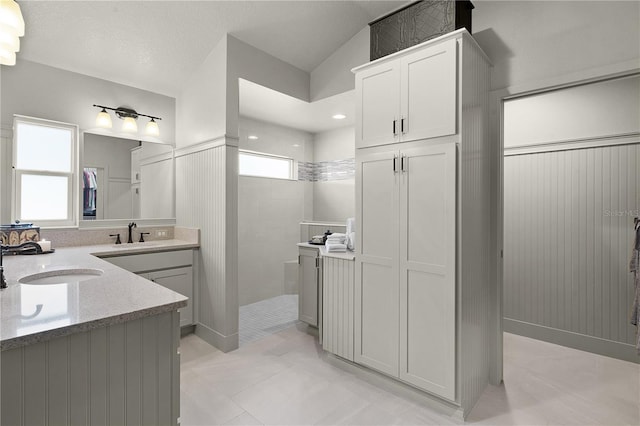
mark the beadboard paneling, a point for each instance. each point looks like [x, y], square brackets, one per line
[338, 283]
[476, 327]
[568, 232]
[120, 374]
[207, 199]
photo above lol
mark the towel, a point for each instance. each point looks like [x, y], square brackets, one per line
[336, 248]
[336, 235]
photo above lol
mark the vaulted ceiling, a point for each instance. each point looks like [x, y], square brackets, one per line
[156, 45]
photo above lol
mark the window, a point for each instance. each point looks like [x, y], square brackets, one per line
[45, 178]
[265, 165]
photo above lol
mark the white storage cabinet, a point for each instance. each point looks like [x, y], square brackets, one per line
[422, 307]
[408, 98]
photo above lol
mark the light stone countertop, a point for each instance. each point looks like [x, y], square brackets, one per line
[114, 297]
[349, 255]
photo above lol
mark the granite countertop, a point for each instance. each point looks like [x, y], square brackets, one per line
[34, 313]
[349, 255]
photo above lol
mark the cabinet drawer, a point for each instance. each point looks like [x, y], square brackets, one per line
[153, 261]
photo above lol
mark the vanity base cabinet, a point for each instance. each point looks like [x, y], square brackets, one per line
[309, 276]
[179, 280]
[170, 269]
[127, 373]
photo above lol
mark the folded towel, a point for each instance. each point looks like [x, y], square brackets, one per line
[336, 248]
[336, 235]
[340, 240]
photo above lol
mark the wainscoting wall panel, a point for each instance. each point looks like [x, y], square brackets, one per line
[207, 176]
[338, 288]
[568, 234]
[477, 334]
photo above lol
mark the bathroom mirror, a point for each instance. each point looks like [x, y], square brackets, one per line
[123, 179]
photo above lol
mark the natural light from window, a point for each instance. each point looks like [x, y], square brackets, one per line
[265, 165]
[45, 179]
[43, 148]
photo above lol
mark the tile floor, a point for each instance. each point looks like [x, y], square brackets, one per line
[285, 379]
[263, 318]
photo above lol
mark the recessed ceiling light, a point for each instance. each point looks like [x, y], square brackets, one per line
[339, 116]
[253, 137]
[295, 145]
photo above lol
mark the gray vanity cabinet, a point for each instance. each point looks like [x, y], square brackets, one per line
[170, 269]
[309, 284]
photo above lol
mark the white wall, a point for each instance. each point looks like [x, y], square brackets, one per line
[37, 90]
[531, 41]
[526, 41]
[603, 109]
[201, 106]
[334, 200]
[334, 74]
[269, 211]
[246, 62]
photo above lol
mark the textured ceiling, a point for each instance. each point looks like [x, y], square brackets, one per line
[156, 45]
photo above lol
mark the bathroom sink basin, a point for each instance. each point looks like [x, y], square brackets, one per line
[61, 276]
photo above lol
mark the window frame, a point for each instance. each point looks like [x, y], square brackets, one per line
[270, 156]
[72, 192]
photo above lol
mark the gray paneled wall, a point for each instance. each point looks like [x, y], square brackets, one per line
[568, 233]
[338, 279]
[126, 373]
[208, 180]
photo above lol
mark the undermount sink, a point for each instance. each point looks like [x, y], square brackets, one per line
[61, 276]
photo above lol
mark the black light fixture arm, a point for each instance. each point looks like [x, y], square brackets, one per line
[126, 112]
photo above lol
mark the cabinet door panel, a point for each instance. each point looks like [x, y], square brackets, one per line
[378, 303]
[427, 269]
[377, 105]
[179, 280]
[308, 286]
[378, 202]
[376, 290]
[429, 95]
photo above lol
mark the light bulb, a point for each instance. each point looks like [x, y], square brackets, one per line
[7, 57]
[104, 119]
[339, 117]
[11, 17]
[9, 41]
[152, 128]
[129, 125]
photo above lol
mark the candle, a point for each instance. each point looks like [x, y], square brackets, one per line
[45, 245]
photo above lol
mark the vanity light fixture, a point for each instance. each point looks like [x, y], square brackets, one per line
[129, 116]
[252, 137]
[11, 29]
[339, 117]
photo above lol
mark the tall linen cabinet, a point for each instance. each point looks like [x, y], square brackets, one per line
[422, 293]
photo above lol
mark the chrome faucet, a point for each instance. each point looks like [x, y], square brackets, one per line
[131, 226]
[3, 281]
